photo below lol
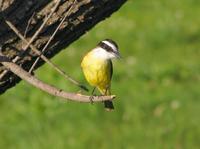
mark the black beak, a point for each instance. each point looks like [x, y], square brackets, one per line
[117, 54]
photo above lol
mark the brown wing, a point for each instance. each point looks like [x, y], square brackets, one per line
[111, 69]
[108, 104]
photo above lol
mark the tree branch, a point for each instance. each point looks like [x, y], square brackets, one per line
[44, 57]
[33, 37]
[84, 15]
[51, 89]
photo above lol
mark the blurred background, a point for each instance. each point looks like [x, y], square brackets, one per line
[157, 84]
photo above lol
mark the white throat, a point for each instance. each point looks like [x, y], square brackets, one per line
[102, 54]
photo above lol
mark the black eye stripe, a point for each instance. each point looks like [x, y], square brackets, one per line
[106, 47]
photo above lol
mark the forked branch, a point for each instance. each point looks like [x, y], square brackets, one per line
[44, 58]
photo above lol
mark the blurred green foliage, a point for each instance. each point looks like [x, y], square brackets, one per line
[157, 84]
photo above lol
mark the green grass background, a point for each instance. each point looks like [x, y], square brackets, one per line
[157, 84]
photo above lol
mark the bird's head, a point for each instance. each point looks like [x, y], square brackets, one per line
[108, 49]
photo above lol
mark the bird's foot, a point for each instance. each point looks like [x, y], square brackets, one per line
[91, 99]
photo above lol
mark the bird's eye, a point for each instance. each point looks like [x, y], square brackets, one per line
[107, 48]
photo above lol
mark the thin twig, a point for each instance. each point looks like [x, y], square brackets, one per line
[51, 89]
[34, 36]
[52, 36]
[45, 58]
[29, 23]
[1, 4]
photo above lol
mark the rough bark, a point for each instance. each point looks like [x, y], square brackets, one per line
[84, 15]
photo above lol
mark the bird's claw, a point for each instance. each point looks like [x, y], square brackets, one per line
[91, 99]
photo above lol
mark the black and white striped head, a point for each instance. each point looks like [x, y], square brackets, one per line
[108, 49]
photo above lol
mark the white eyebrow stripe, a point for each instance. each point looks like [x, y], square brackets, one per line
[110, 45]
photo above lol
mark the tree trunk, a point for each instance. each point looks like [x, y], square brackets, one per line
[28, 15]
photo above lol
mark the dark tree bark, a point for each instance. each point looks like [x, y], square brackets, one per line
[22, 13]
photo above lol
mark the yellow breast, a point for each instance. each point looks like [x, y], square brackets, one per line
[97, 71]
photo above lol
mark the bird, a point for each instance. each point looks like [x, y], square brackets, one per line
[97, 68]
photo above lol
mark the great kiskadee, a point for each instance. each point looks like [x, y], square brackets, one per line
[97, 67]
